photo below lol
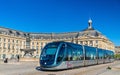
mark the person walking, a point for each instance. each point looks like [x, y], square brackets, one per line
[18, 58]
[6, 60]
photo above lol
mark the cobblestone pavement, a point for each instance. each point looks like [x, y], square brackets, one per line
[32, 68]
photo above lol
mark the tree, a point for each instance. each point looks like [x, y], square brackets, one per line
[117, 56]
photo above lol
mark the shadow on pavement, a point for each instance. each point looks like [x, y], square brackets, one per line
[39, 69]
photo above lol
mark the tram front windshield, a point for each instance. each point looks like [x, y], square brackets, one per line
[48, 53]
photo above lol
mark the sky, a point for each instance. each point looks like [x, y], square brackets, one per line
[59, 16]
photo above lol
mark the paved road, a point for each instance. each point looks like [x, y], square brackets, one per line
[32, 68]
[17, 68]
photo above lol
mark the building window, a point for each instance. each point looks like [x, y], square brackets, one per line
[28, 44]
[37, 43]
[8, 46]
[13, 47]
[41, 43]
[76, 41]
[16, 41]
[96, 43]
[8, 40]
[41, 47]
[0, 39]
[24, 42]
[13, 41]
[86, 42]
[0, 44]
[91, 43]
[32, 47]
[4, 40]
[32, 43]
[4, 46]
[81, 42]
[37, 48]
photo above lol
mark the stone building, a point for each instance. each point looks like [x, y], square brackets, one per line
[117, 49]
[12, 41]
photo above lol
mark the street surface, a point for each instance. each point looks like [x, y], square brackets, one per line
[32, 68]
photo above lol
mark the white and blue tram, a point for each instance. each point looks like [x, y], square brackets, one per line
[64, 55]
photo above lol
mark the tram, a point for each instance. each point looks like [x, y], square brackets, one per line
[65, 55]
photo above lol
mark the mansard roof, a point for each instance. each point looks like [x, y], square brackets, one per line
[87, 32]
[54, 35]
[91, 32]
[8, 31]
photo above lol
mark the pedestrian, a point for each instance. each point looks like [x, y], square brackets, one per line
[18, 58]
[6, 60]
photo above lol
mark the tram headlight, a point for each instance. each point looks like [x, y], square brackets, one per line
[45, 63]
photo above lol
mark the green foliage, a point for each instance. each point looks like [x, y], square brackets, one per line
[109, 68]
[117, 56]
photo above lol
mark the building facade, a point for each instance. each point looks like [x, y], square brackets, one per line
[117, 49]
[12, 41]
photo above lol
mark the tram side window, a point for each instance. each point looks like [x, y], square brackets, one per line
[109, 55]
[112, 55]
[78, 54]
[61, 53]
[69, 54]
[100, 54]
[87, 56]
[75, 56]
[93, 54]
[81, 56]
[106, 56]
[90, 53]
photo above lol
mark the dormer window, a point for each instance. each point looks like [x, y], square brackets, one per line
[10, 32]
[25, 35]
[17, 33]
